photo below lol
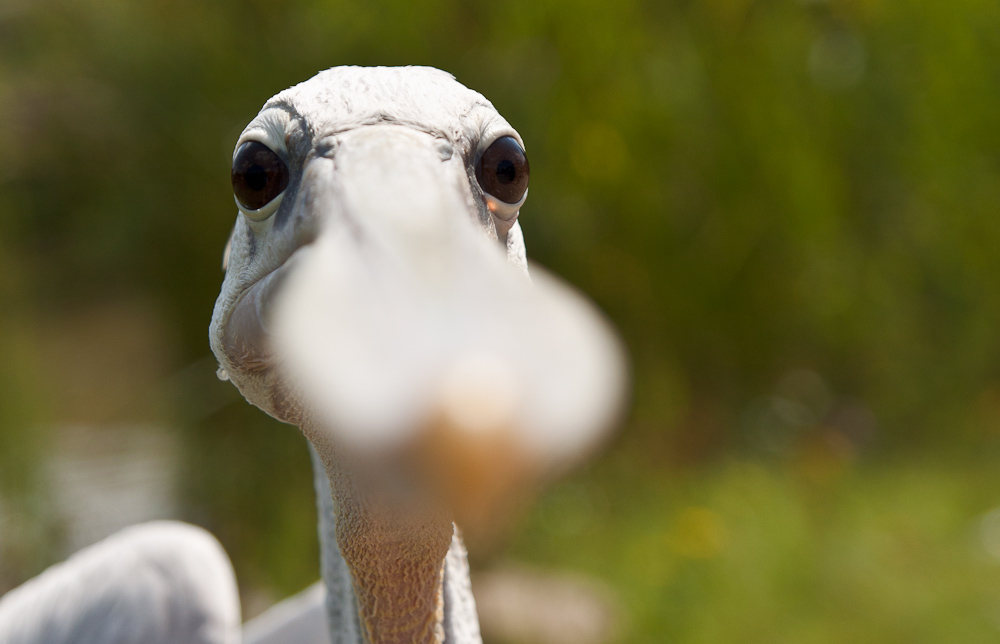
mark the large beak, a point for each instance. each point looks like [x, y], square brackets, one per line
[404, 327]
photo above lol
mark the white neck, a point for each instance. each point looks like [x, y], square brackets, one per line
[459, 621]
[341, 606]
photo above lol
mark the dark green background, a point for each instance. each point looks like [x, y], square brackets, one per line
[789, 208]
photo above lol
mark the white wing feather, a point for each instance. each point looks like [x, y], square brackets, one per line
[162, 582]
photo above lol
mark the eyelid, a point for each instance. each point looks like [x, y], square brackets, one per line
[503, 210]
[264, 211]
[261, 136]
[490, 136]
[268, 129]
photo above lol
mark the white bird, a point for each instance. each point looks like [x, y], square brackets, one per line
[376, 296]
[156, 583]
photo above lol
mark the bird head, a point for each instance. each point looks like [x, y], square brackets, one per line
[377, 292]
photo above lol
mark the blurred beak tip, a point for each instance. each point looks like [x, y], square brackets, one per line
[473, 473]
[478, 395]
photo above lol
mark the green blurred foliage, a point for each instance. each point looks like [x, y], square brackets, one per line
[788, 208]
[740, 552]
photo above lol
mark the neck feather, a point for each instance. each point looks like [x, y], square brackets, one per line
[396, 565]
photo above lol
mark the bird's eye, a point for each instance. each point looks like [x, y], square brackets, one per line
[259, 175]
[503, 170]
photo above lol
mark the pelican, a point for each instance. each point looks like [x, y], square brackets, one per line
[377, 296]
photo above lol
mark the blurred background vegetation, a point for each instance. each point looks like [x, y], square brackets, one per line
[788, 207]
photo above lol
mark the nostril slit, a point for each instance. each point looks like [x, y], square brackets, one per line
[445, 150]
[326, 147]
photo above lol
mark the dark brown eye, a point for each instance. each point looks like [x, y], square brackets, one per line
[503, 170]
[259, 175]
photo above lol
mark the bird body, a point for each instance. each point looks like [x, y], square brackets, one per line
[162, 582]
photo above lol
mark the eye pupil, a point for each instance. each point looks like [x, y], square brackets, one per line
[509, 177]
[506, 172]
[259, 175]
[256, 178]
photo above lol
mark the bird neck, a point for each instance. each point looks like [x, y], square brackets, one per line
[384, 568]
[341, 605]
